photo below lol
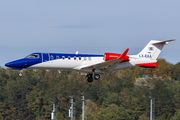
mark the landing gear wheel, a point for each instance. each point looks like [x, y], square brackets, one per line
[96, 76]
[89, 75]
[90, 79]
[20, 74]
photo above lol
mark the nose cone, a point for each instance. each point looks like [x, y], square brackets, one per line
[16, 64]
[7, 64]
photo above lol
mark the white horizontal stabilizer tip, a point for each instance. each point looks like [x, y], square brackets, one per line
[167, 41]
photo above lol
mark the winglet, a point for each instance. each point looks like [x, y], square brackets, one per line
[124, 54]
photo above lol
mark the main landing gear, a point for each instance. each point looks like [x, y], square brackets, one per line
[90, 77]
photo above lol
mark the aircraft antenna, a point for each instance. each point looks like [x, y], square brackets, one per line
[77, 52]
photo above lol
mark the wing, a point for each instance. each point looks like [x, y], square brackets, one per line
[109, 63]
[105, 65]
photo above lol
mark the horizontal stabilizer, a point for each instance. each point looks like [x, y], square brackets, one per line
[167, 41]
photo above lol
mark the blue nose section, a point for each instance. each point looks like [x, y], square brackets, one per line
[16, 64]
[7, 64]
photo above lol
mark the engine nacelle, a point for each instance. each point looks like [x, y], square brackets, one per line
[112, 56]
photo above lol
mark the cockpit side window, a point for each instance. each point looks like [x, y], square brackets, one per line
[33, 56]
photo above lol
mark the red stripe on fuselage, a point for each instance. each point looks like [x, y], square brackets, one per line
[148, 65]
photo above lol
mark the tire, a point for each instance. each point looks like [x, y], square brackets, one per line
[20, 74]
[90, 79]
[96, 76]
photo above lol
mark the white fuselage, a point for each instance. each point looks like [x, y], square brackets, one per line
[81, 64]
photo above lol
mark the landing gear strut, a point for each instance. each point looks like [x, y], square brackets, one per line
[90, 77]
[20, 73]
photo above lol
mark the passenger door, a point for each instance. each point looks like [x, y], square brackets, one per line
[45, 57]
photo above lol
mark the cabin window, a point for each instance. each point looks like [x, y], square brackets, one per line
[63, 57]
[89, 58]
[69, 57]
[57, 57]
[85, 58]
[33, 56]
[51, 57]
[74, 57]
[79, 58]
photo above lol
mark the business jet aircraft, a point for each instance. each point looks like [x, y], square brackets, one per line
[91, 64]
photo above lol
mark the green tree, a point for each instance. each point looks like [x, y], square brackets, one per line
[176, 72]
[112, 112]
[164, 69]
[176, 116]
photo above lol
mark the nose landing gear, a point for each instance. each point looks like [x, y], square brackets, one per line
[90, 77]
[20, 73]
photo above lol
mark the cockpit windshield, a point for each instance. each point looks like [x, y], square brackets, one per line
[33, 56]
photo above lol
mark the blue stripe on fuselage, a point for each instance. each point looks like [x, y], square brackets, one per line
[27, 62]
